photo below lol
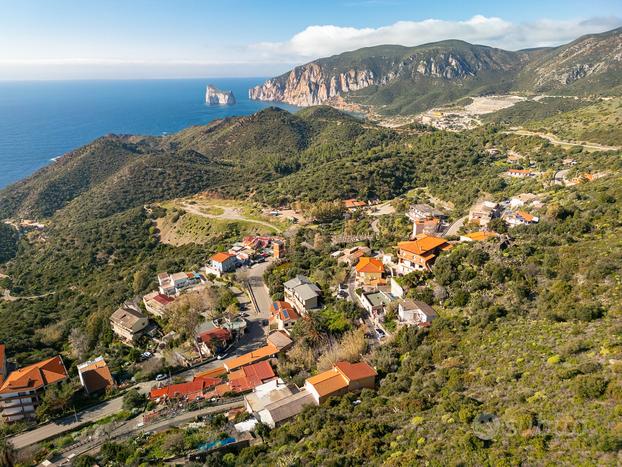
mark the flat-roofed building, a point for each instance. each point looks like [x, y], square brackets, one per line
[302, 293]
[266, 394]
[284, 409]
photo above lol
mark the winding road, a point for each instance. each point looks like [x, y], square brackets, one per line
[555, 140]
[229, 213]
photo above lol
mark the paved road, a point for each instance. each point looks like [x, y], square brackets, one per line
[455, 227]
[252, 339]
[254, 277]
[70, 423]
[135, 426]
[555, 140]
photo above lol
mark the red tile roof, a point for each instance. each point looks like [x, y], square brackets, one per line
[284, 311]
[353, 203]
[526, 216]
[220, 334]
[423, 245]
[247, 378]
[369, 265]
[213, 373]
[35, 376]
[163, 299]
[260, 372]
[188, 390]
[221, 257]
[355, 371]
[251, 357]
[96, 376]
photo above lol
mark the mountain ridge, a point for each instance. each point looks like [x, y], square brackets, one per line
[398, 80]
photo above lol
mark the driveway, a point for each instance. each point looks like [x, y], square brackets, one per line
[455, 227]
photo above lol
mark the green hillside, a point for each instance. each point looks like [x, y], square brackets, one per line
[522, 325]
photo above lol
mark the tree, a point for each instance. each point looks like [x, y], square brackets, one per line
[79, 341]
[141, 280]
[84, 461]
[262, 430]
[133, 400]
[498, 225]
[326, 211]
[7, 453]
[56, 400]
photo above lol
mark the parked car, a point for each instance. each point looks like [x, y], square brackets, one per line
[161, 377]
[380, 333]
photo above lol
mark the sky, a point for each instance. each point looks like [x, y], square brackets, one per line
[126, 39]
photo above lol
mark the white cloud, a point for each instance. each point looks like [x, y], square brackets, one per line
[325, 40]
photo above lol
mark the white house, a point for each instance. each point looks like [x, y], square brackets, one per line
[415, 312]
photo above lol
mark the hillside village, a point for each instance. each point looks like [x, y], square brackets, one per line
[220, 335]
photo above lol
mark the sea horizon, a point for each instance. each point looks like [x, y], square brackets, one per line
[41, 120]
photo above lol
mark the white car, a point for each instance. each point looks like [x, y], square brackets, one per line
[161, 377]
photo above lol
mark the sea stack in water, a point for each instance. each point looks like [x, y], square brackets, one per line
[214, 96]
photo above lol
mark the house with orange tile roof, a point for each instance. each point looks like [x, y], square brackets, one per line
[341, 378]
[514, 219]
[420, 254]
[253, 356]
[3, 364]
[213, 373]
[95, 375]
[188, 391]
[213, 341]
[283, 316]
[247, 378]
[481, 236]
[19, 393]
[353, 204]
[221, 263]
[369, 271]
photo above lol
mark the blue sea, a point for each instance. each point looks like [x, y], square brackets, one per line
[41, 120]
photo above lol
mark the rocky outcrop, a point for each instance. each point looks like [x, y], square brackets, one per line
[598, 57]
[214, 96]
[309, 85]
[320, 81]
